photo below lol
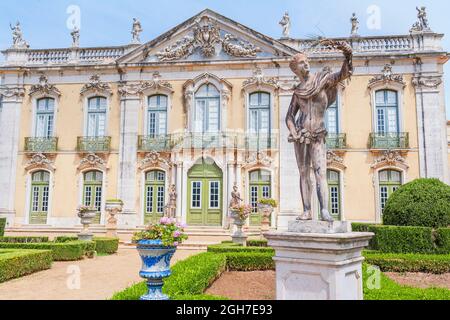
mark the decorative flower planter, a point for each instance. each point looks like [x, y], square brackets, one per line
[266, 212]
[155, 267]
[238, 236]
[86, 220]
[113, 208]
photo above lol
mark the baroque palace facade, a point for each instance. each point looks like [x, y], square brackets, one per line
[202, 108]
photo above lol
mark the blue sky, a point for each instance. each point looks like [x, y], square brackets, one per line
[108, 22]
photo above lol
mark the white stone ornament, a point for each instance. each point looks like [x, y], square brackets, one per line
[259, 80]
[39, 160]
[96, 86]
[17, 34]
[44, 87]
[285, 23]
[387, 76]
[136, 31]
[355, 25]
[75, 37]
[422, 24]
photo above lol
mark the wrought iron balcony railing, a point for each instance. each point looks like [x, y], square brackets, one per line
[398, 140]
[94, 144]
[156, 143]
[336, 141]
[41, 145]
[260, 142]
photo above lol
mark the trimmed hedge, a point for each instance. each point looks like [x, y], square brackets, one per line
[257, 243]
[17, 263]
[226, 247]
[250, 261]
[443, 240]
[69, 251]
[394, 262]
[421, 203]
[2, 226]
[106, 245]
[64, 239]
[23, 239]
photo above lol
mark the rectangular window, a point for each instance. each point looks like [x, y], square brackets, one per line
[149, 199]
[35, 206]
[266, 192]
[213, 116]
[380, 121]
[334, 195]
[98, 199]
[196, 201]
[88, 196]
[383, 197]
[45, 199]
[160, 198]
[254, 198]
[214, 195]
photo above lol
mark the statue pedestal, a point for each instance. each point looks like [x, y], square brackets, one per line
[318, 266]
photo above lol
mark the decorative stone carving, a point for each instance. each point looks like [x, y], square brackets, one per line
[92, 161]
[44, 87]
[285, 23]
[386, 76]
[39, 160]
[259, 80]
[422, 24]
[355, 25]
[206, 36]
[95, 85]
[154, 159]
[17, 34]
[159, 84]
[136, 31]
[258, 158]
[427, 82]
[75, 37]
[132, 89]
[335, 161]
[390, 158]
[12, 92]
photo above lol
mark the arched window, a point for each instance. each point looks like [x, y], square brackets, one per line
[93, 192]
[259, 112]
[96, 126]
[45, 112]
[39, 197]
[334, 194]
[259, 188]
[155, 191]
[389, 182]
[387, 115]
[207, 109]
[157, 116]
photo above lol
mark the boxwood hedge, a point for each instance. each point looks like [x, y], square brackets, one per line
[106, 245]
[2, 226]
[15, 263]
[69, 251]
[23, 239]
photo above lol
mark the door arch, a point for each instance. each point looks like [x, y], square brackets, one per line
[205, 194]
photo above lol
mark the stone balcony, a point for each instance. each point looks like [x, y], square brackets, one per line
[336, 141]
[389, 141]
[94, 144]
[41, 145]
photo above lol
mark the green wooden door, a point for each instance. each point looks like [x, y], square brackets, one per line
[155, 192]
[334, 194]
[204, 194]
[390, 181]
[39, 197]
[259, 188]
[93, 192]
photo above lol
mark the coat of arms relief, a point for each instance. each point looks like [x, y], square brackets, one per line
[207, 37]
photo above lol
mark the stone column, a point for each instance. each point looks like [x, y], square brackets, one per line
[129, 124]
[319, 266]
[290, 198]
[431, 124]
[9, 147]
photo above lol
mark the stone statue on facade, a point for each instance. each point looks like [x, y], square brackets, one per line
[422, 24]
[312, 97]
[172, 205]
[17, 34]
[286, 25]
[136, 31]
[75, 37]
[355, 25]
[235, 197]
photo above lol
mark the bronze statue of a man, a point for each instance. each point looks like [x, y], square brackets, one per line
[305, 120]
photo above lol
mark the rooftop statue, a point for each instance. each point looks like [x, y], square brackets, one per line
[17, 34]
[286, 24]
[315, 93]
[355, 25]
[75, 37]
[136, 31]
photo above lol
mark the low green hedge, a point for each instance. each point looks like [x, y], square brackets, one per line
[250, 261]
[443, 240]
[231, 247]
[15, 263]
[257, 243]
[395, 262]
[69, 251]
[2, 226]
[106, 245]
[23, 239]
[64, 239]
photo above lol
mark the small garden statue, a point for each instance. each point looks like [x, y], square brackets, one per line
[86, 214]
[113, 207]
[235, 197]
[156, 246]
[240, 215]
[266, 207]
[171, 207]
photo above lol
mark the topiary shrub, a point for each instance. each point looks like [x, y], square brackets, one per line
[422, 203]
[2, 226]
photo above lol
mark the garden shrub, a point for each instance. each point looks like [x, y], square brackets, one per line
[250, 261]
[402, 239]
[222, 248]
[69, 251]
[395, 262]
[443, 240]
[106, 245]
[257, 243]
[2, 226]
[16, 263]
[23, 239]
[361, 227]
[422, 202]
[64, 239]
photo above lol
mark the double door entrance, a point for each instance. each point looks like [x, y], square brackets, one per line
[205, 194]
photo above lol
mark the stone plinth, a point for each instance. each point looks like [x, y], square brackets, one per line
[318, 266]
[310, 226]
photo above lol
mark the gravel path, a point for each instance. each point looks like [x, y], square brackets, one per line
[421, 280]
[88, 279]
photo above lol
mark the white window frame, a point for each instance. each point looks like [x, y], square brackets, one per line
[35, 99]
[218, 195]
[192, 194]
[87, 97]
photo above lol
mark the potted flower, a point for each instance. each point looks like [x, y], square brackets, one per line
[156, 246]
[86, 214]
[240, 214]
[266, 207]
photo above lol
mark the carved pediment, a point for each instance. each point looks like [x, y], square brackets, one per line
[387, 76]
[259, 81]
[96, 86]
[44, 88]
[155, 159]
[258, 159]
[334, 160]
[92, 161]
[390, 158]
[40, 161]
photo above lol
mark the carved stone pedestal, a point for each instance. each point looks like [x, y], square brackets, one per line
[113, 208]
[318, 266]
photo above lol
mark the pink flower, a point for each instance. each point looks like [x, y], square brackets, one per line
[176, 234]
[164, 220]
[175, 244]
